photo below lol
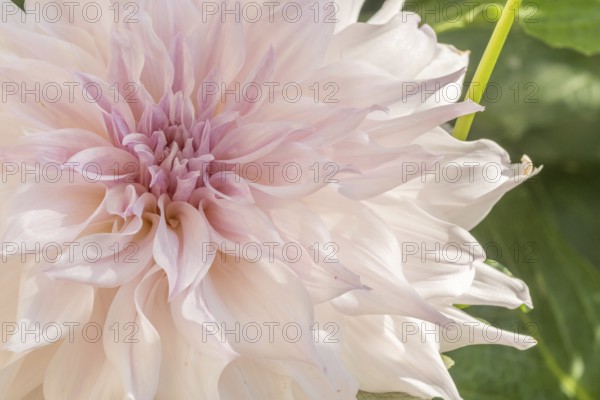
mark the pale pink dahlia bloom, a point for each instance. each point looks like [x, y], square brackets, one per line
[165, 239]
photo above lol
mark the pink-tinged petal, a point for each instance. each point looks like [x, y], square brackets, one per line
[58, 50]
[400, 47]
[43, 213]
[331, 123]
[224, 60]
[199, 326]
[136, 356]
[251, 303]
[183, 78]
[114, 259]
[230, 186]
[178, 247]
[402, 131]
[249, 142]
[362, 85]
[105, 164]
[53, 146]
[55, 105]
[292, 170]
[45, 306]
[158, 72]
[294, 60]
[380, 169]
[249, 378]
[231, 231]
[252, 91]
[168, 21]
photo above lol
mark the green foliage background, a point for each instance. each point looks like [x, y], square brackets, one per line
[548, 230]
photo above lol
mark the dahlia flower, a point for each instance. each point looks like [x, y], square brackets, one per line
[237, 199]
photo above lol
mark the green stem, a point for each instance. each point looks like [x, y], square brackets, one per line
[487, 64]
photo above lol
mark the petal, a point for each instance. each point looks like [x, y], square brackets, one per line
[105, 164]
[179, 245]
[137, 356]
[369, 249]
[23, 377]
[467, 183]
[467, 331]
[495, 288]
[395, 361]
[439, 259]
[114, 258]
[52, 213]
[45, 306]
[400, 46]
[80, 369]
[250, 309]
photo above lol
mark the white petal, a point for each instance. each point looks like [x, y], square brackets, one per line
[495, 288]
[464, 187]
[472, 331]
[394, 361]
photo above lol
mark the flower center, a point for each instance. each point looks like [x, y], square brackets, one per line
[173, 151]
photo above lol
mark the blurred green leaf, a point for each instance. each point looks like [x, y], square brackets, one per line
[20, 4]
[573, 24]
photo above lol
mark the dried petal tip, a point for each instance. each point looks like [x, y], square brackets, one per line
[527, 164]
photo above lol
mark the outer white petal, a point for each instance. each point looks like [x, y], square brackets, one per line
[439, 259]
[464, 186]
[399, 47]
[369, 249]
[396, 362]
[492, 287]
[472, 331]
